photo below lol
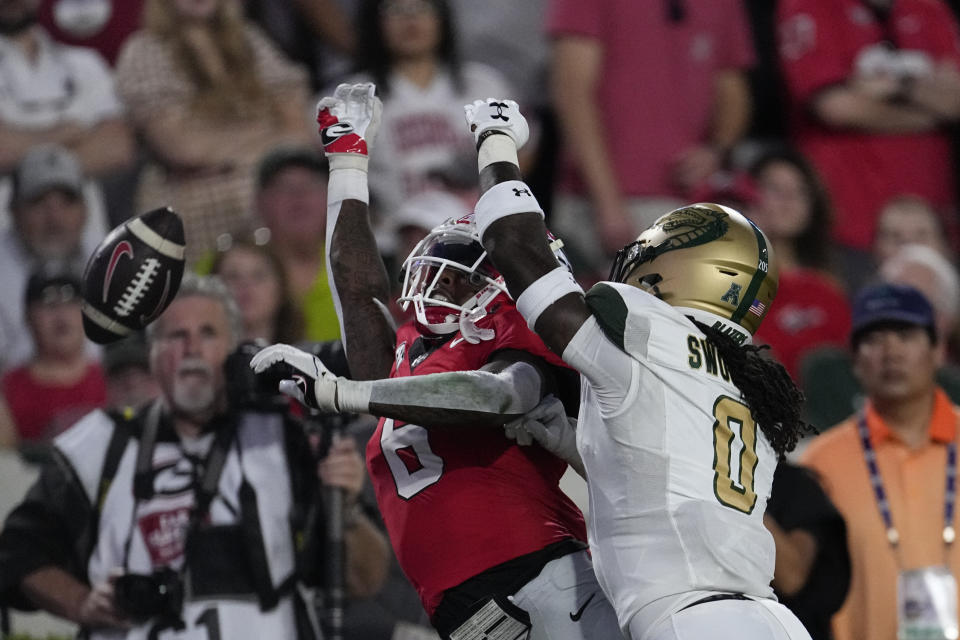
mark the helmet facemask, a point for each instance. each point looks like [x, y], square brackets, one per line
[450, 246]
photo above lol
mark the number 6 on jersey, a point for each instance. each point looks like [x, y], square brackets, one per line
[412, 462]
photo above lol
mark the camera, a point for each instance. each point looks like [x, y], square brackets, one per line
[249, 391]
[157, 595]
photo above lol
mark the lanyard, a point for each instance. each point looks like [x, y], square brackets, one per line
[950, 495]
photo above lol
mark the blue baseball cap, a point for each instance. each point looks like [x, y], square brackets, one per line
[890, 304]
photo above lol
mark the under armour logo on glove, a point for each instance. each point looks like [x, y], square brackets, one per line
[521, 192]
[497, 116]
[499, 106]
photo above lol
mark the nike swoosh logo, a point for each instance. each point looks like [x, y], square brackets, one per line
[576, 616]
[456, 341]
[122, 249]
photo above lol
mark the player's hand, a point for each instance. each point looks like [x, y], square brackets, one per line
[494, 114]
[349, 121]
[306, 378]
[549, 426]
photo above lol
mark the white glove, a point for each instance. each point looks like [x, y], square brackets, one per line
[490, 116]
[549, 426]
[348, 124]
[310, 382]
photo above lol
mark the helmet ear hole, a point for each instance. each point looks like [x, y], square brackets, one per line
[649, 283]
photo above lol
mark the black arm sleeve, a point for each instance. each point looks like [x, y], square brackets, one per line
[798, 502]
[50, 527]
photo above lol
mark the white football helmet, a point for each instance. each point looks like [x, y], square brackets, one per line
[453, 244]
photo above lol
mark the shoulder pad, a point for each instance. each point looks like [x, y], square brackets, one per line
[624, 313]
[610, 310]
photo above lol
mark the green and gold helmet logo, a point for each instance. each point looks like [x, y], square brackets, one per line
[680, 229]
[690, 227]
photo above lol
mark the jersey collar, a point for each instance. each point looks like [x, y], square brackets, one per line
[943, 421]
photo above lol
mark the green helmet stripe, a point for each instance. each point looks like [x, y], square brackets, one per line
[763, 265]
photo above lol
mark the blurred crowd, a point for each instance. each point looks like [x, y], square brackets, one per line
[829, 123]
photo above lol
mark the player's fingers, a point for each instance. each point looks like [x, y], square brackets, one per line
[547, 407]
[536, 430]
[266, 357]
[512, 428]
[292, 388]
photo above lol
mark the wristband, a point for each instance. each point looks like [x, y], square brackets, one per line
[495, 146]
[353, 396]
[502, 200]
[348, 161]
[347, 184]
[543, 292]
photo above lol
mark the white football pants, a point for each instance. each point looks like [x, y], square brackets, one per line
[727, 620]
[565, 602]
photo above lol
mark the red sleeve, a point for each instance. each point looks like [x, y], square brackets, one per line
[512, 333]
[813, 54]
[737, 51]
[575, 17]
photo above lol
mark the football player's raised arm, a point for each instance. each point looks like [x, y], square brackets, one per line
[358, 278]
[510, 224]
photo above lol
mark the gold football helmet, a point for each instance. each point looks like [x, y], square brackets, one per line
[704, 256]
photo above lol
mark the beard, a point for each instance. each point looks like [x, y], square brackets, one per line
[17, 23]
[195, 393]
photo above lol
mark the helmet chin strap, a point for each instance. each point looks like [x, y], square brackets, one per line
[473, 311]
[469, 318]
[435, 320]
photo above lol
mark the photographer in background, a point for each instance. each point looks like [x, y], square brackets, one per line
[200, 514]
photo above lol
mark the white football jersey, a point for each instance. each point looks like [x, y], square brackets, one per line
[678, 472]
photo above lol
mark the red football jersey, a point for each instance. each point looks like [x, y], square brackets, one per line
[460, 500]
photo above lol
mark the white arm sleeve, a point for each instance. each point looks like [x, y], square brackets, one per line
[343, 184]
[512, 391]
[610, 370]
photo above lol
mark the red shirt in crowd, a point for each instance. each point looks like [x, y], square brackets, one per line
[656, 82]
[821, 44]
[811, 310]
[124, 18]
[41, 411]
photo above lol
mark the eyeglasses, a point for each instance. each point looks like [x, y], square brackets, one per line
[55, 294]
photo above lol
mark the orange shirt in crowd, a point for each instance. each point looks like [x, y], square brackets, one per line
[915, 481]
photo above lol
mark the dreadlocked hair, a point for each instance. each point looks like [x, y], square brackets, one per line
[766, 387]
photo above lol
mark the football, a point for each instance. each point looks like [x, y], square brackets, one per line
[133, 275]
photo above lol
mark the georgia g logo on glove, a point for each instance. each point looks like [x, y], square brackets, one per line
[349, 119]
